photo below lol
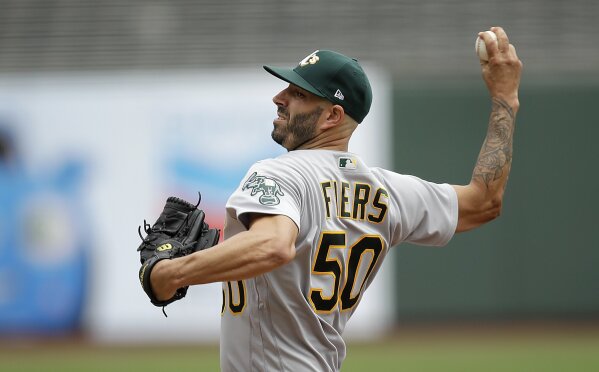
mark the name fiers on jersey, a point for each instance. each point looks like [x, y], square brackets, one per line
[356, 201]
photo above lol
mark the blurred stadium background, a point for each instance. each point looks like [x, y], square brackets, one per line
[94, 94]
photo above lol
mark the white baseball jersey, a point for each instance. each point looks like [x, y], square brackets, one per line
[348, 215]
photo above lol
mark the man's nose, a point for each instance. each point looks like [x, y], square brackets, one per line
[280, 98]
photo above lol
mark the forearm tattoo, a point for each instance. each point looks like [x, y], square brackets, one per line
[495, 156]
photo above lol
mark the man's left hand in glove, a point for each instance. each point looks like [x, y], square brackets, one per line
[179, 230]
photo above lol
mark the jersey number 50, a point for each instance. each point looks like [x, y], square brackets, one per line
[326, 265]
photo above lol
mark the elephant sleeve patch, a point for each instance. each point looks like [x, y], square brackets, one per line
[268, 188]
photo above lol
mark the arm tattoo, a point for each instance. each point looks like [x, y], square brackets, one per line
[495, 156]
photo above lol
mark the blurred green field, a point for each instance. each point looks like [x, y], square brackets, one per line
[547, 351]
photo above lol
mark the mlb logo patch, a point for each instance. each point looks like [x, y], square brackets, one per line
[347, 163]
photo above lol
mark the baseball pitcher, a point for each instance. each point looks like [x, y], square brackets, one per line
[307, 232]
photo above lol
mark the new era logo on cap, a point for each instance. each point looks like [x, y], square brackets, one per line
[339, 95]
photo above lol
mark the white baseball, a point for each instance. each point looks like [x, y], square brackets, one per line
[481, 48]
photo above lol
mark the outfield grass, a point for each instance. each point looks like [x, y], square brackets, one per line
[505, 355]
[413, 351]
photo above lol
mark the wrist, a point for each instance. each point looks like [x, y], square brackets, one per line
[511, 101]
[160, 281]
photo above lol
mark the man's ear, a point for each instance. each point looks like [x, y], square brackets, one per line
[334, 116]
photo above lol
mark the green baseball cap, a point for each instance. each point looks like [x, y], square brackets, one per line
[333, 76]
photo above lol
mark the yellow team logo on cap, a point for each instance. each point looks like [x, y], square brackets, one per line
[310, 60]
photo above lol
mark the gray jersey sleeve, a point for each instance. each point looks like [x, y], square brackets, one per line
[428, 212]
[266, 189]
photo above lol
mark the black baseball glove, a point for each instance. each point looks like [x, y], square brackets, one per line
[179, 230]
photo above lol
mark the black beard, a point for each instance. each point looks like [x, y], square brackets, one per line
[299, 130]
